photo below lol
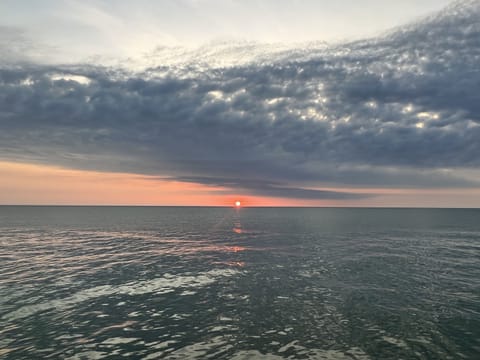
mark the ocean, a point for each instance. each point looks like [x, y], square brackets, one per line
[249, 283]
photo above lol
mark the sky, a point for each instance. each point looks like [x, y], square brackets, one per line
[274, 103]
[78, 29]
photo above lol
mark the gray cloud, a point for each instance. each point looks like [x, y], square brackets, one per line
[272, 189]
[399, 110]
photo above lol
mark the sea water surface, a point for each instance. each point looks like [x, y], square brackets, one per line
[221, 283]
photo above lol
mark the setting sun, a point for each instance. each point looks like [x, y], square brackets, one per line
[238, 203]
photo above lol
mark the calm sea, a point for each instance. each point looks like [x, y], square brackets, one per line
[220, 283]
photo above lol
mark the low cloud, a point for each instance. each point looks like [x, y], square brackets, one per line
[272, 189]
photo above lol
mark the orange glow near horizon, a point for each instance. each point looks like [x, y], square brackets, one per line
[33, 184]
[39, 184]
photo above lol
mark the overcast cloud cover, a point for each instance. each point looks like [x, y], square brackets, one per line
[400, 110]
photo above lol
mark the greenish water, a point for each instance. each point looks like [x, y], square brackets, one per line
[180, 283]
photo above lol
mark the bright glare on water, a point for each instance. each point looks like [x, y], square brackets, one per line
[196, 283]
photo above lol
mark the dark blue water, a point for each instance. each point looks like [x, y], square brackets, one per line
[206, 283]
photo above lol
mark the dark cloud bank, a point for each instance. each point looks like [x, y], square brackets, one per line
[401, 110]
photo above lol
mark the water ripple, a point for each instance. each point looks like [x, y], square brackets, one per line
[92, 283]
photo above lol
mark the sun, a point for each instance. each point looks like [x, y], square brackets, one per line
[238, 204]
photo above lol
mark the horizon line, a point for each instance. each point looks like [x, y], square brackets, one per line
[245, 207]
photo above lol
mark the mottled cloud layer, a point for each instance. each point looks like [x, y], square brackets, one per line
[401, 110]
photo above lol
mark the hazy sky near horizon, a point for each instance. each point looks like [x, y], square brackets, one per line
[202, 102]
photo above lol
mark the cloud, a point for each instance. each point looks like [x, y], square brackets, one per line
[14, 44]
[401, 109]
[272, 189]
[17, 48]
